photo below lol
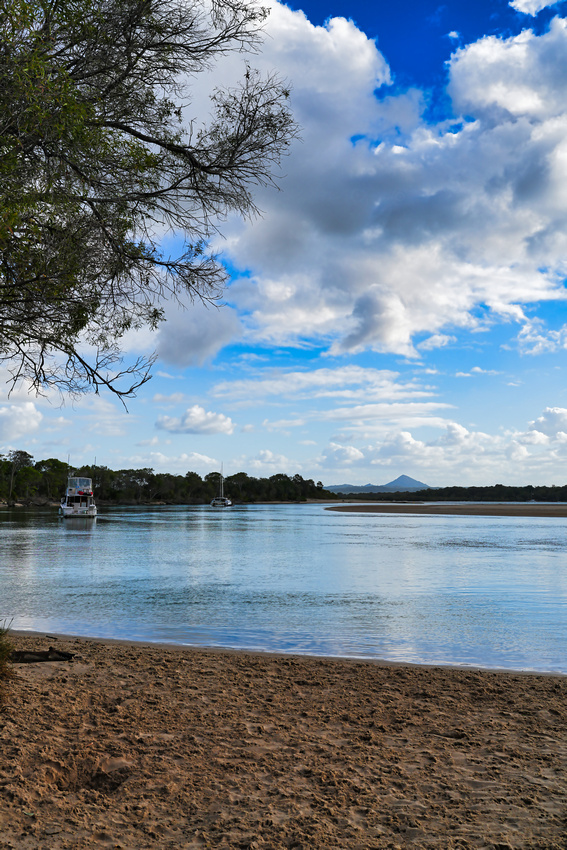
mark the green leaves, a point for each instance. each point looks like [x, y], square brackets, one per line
[94, 164]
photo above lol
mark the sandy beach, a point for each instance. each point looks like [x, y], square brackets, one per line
[518, 509]
[135, 746]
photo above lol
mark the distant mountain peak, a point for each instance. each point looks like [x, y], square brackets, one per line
[405, 481]
[401, 484]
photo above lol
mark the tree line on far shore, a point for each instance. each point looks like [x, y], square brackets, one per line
[39, 482]
[492, 493]
[23, 480]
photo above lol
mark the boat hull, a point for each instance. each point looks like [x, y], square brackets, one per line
[69, 513]
[221, 503]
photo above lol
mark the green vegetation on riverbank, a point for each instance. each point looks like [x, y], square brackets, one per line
[494, 493]
[29, 482]
[38, 482]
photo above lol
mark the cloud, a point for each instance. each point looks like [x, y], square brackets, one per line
[154, 441]
[436, 341]
[534, 438]
[173, 398]
[269, 463]
[196, 420]
[175, 464]
[532, 7]
[337, 455]
[195, 335]
[476, 370]
[55, 425]
[395, 234]
[535, 339]
[415, 414]
[459, 455]
[343, 382]
[522, 76]
[552, 422]
[283, 424]
[19, 420]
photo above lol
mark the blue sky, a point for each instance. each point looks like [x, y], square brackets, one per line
[400, 305]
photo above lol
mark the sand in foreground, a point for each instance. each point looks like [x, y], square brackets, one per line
[136, 747]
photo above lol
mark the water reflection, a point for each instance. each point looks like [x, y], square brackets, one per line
[468, 590]
[79, 524]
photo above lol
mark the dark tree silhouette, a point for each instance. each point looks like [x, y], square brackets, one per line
[97, 159]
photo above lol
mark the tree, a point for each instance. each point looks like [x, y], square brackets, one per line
[193, 483]
[54, 474]
[239, 480]
[97, 159]
[18, 460]
[5, 474]
[28, 481]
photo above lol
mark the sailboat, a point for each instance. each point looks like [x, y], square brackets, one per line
[221, 500]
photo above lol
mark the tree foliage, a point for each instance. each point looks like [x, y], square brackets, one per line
[19, 463]
[100, 154]
[46, 480]
[490, 493]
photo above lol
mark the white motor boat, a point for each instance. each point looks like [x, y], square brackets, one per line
[78, 500]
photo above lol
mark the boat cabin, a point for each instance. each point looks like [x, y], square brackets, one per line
[78, 499]
[79, 487]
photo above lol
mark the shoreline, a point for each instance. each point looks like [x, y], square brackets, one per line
[136, 747]
[30, 505]
[45, 637]
[510, 509]
[502, 509]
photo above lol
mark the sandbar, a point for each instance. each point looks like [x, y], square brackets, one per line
[512, 509]
[134, 746]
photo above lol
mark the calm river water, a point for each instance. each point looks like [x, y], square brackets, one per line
[482, 591]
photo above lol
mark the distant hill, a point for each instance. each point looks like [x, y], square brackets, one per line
[403, 484]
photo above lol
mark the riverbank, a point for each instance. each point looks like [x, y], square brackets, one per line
[512, 509]
[136, 746]
[517, 509]
[44, 503]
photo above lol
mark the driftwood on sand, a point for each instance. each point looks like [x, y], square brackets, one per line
[29, 656]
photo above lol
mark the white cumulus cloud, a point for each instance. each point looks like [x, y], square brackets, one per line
[459, 455]
[392, 233]
[19, 420]
[337, 455]
[197, 420]
[532, 7]
[267, 462]
[552, 422]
